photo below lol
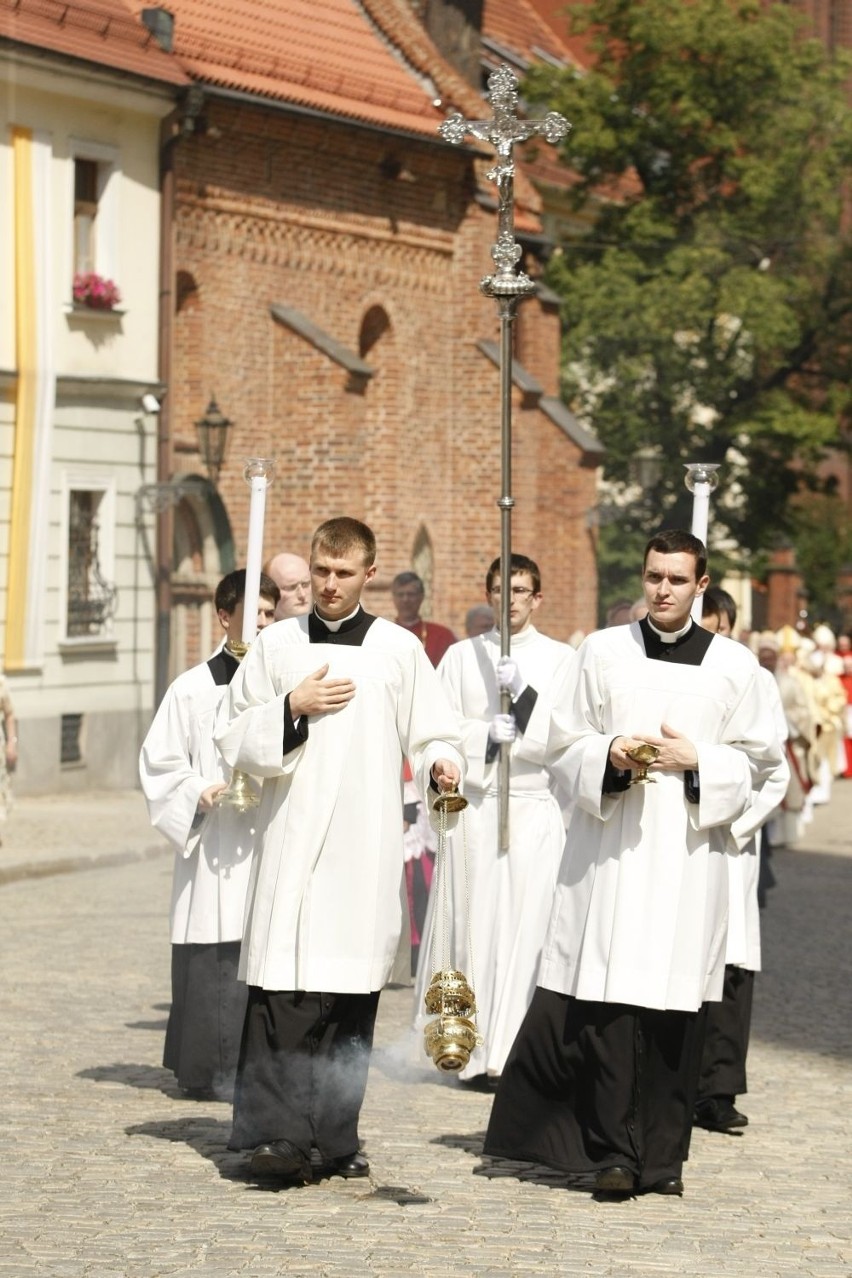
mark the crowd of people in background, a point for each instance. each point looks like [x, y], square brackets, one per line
[285, 920]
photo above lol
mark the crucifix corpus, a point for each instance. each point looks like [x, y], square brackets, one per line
[508, 286]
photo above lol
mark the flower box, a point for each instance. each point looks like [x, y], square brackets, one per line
[95, 292]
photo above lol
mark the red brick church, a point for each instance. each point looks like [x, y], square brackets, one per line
[323, 261]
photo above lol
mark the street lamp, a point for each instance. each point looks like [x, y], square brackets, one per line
[213, 436]
[647, 467]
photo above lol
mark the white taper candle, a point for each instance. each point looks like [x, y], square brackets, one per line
[258, 473]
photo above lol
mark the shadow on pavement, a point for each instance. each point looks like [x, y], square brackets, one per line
[802, 995]
[469, 1143]
[207, 1136]
[149, 1077]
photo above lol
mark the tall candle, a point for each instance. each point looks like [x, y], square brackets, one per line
[258, 474]
[701, 479]
[700, 521]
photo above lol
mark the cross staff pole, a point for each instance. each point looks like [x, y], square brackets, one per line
[508, 286]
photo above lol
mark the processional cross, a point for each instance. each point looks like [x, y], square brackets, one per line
[508, 286]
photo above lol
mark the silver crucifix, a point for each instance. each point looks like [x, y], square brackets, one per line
[503, 130]
[508, 286]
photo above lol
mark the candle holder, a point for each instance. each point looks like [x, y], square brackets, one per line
[701, 473]
[239, 794]
[259, 468]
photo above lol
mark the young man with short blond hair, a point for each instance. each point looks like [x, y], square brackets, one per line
[325, 708]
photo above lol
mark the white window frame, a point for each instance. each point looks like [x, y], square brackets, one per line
[106, 229]
[90, 481]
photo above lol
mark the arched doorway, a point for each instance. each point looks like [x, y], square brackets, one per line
[203, 553]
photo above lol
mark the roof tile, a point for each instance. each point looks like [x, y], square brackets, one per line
[327, 56]
[105, 32]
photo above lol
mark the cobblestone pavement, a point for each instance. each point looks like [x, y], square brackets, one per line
[109, 1173]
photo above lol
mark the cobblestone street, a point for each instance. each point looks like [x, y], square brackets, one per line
[109, 1173]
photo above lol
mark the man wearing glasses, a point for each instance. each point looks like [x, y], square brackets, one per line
[504, 906]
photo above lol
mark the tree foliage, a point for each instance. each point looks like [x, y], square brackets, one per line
[708, 295]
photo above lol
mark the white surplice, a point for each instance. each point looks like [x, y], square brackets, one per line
[641, 908]
[177, 763]
[510, 893]
[743, 943]
[324, 908]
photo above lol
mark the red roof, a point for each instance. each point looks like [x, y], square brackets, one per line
[517, 26]
[326, 56]
[105, 32]
[555, 13]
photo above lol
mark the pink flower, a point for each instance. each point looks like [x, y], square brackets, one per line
[95, 291]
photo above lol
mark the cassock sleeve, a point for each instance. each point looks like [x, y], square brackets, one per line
[579, 739]
[453, 675]
[170, 782]
[250, 725]
[734, 770]
[539, 742]
[428, 727]
[770, 794]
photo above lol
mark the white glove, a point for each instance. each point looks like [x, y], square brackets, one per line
[509, 677]
[502, 728]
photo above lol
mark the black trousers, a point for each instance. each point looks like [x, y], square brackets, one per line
[303, 1070]
[206, 1018]
[726, 1035]
[593, 1085]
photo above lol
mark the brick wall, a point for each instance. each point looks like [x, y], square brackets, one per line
[279, 209]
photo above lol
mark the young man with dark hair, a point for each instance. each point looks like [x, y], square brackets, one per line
[182, 776]
[325, 707]
[499, 903]
[719, 612]
[602, 1075]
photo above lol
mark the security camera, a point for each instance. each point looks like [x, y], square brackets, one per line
[150, 403]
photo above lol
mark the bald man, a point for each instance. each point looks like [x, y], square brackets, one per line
[292, 576]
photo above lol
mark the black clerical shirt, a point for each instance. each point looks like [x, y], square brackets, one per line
[350, 633]
[223, 665]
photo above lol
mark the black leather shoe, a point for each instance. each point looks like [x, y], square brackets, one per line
[615, 1180]
[350, 1166]
[717, 1114]
[669, 1185]
[282, 1159]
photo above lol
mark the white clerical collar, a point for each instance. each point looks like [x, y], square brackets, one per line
[527, 635]
[669, 636]
[334, 626]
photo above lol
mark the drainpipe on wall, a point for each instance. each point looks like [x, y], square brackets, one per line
[165, 516]
[178, 125]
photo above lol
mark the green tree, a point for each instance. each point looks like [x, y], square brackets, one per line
[708, 302]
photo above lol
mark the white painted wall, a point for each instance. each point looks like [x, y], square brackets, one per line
[100, 435]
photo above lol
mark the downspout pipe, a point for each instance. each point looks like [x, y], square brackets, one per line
[177, 126]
